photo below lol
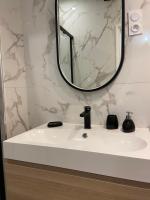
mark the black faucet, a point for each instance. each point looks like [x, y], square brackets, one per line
[87, 117]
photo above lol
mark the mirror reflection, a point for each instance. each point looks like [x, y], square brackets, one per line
[90, 41]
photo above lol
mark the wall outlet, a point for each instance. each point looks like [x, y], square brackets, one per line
[135, 22]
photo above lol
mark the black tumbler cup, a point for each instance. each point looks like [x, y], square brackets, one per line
[112, 122]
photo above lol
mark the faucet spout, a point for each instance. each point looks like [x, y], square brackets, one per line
[83, 114]
[87, 117]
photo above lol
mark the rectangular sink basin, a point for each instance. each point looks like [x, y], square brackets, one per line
[101, 151]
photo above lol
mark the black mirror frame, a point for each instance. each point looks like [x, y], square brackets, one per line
[122, 50]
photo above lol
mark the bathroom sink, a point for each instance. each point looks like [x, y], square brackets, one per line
[99, 151]
[124, 143]
[96, 139]
[108, 141]
[42, 136]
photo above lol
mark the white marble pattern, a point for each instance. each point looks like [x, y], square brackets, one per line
[104, 101]
[16, 111]
[12, 43]
[14, 69]
[39, 92]
[93, 25]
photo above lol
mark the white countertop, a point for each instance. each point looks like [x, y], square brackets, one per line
[105, 152]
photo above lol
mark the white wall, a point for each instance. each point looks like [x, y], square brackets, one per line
[49, 98]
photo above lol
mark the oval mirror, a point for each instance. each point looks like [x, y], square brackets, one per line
[90, 41]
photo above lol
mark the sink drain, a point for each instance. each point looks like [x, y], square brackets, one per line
[85, 135]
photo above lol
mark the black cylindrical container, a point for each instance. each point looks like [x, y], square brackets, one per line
[112, 122]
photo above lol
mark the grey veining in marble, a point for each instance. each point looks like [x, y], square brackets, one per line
[39, 94]
[96, 28]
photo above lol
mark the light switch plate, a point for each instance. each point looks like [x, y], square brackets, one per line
[135, 22]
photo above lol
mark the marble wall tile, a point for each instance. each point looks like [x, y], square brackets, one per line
[13, 66]
[134, 98]
[58, 105]
[118, 98]
[93, 25]
[136, 66]
[12, 41]
[38, 93]
[16, 111]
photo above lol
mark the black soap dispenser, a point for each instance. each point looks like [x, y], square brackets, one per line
[128, 124]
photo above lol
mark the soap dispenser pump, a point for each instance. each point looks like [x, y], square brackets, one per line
[128, 124]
